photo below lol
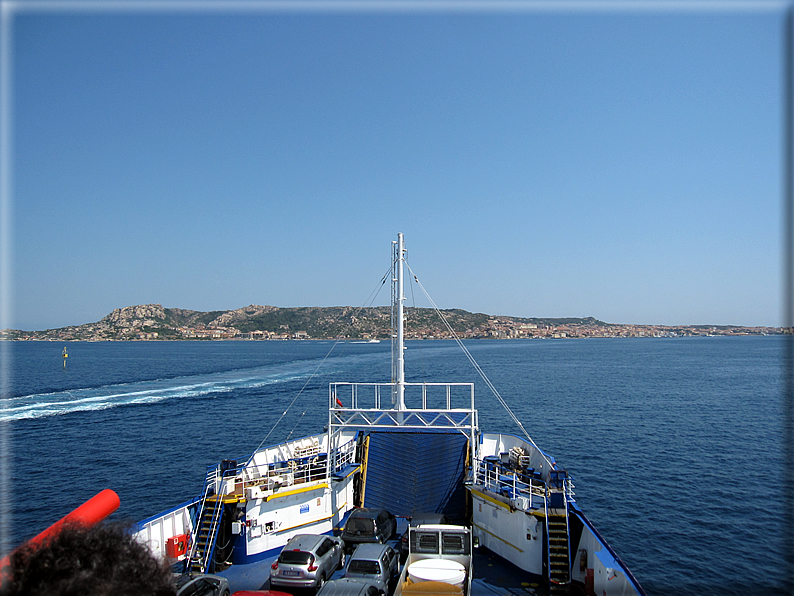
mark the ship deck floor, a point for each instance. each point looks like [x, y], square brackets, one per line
[493, 576]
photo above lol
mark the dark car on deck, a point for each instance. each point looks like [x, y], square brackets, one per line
[307, 561]
[368, 525]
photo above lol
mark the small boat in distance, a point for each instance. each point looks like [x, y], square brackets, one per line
[406, 448]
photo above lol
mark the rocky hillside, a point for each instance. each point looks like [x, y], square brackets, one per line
[153, 321]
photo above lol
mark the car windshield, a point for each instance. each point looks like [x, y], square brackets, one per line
[295, 557]
[360, 527]
[366, 567]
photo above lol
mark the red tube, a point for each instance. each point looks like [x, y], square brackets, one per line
[94, 510]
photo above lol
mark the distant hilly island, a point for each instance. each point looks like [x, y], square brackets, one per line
[151, 321]
[154, 322]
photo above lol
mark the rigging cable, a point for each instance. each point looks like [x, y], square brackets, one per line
[423, 373]
[476, 366]
[370, 300]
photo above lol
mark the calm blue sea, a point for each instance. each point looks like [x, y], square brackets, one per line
[675, 444]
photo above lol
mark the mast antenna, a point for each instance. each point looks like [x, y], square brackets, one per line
[398, 320]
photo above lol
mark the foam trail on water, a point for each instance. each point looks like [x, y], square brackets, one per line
[143, 392]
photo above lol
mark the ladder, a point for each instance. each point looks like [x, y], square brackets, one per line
[204, 544]
[205, 526]
[559, 559]
[557, 533]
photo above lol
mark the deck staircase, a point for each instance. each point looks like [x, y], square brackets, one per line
[206, 524]
[206, 534]
[559, 548]
[559, 559]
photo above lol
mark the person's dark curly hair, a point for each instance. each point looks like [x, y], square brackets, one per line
[100, 560]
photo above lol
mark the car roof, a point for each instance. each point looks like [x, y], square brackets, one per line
[259, 593]
[347, 586]
[369, 551]
[367, 512]
[427, 518]
[304, 542]
[184, 578]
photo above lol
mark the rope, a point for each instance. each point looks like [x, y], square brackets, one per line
[368, 302]
[423, 374]
[474, 363]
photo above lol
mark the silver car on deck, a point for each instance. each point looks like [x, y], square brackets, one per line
[376, 563]
[201, 585]
[307, 561]
[349, 587]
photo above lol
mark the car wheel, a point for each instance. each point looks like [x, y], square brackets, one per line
[225, 593]
[341, 560]
[321, 582]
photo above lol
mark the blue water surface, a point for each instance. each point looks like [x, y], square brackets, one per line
[675, 444]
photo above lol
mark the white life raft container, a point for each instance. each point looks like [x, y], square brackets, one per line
[437, 570]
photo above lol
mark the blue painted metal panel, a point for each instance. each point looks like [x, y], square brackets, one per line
[409, 473]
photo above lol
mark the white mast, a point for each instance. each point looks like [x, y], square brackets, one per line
[399, 297]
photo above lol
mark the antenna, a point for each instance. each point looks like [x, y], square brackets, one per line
[398, 297]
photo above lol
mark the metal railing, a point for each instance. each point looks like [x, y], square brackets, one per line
[427, 407]
[511, 483]
[309, 465]
[418, 396]
[569, 492]
[440, 406]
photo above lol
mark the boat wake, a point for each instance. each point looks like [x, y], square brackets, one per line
[147, 392]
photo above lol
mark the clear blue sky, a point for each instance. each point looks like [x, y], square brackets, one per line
[620, 164]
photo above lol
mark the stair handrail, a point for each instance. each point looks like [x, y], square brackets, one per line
[217, 513]
[565, 500]
[566, 489]
[548, 532]
[209, 482]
